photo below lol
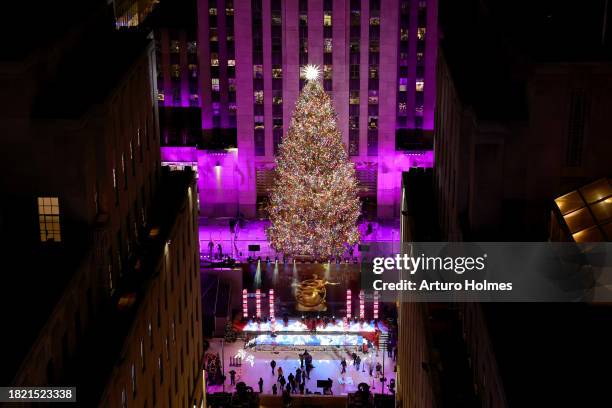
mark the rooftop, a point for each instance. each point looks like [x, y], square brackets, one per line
[587, 212]
[28, 26]
[89, 73]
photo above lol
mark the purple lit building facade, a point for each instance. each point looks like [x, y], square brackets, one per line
[378, 62]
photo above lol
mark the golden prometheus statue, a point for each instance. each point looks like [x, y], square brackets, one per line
[311, 293]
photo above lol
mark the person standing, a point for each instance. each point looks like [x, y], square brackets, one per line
[302, 388]
[357, 362]
[280, 371]
[211, 248]
[301, 360]
[232, 374]
[298, 375]
[273, 365]
[274, 389]
[291, 379]
[282, 381]
[378, 370]
[260, 383]
[343, 364]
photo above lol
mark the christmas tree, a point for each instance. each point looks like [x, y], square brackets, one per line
[313, 205]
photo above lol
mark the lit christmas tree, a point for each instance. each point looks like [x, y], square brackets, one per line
[313, 204]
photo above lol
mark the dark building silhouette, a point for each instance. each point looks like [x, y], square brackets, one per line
[103, 293]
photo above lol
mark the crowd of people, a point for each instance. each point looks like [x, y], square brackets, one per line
[294, 383]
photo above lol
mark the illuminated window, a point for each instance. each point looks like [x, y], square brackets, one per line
[354, 98]
[212, 35]
[420, 85]
[215, 84]
[193, 70]
[231, 63]
[212, 11]
[49, 219]
[174, 46]
[175, 71]
[327, 45]
[258, 97]
[373, 71]
[160, 96]
[421, 33]
[229, 11]
[419, 110]
[401, 107]
[192, 47]
[372, 122]
[419, 56]
[214, 59]
[259, 122]
[277, 100]
[277, 73]
[374, 21]
[403, 84]
[231, 84]
[257, 71]
[327, 72]
[327, 19]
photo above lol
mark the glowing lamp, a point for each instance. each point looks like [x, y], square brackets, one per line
[348, 304]
[376, 295]
[258, 303]
[361, 304]
[245, 304]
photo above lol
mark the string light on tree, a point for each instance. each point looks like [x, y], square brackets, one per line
[313, 205]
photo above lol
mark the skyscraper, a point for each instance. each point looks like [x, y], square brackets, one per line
[108, 283]
[377, 61]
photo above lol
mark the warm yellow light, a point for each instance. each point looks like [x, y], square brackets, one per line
[311, 72]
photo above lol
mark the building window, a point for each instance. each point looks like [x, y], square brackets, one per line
[421, 33]
[258, 97]
[49, 219]
[327, 72]
[215, 84]
[133, 376]
[231, 62]
[174, 46]
[277, 73]
[327, 19]
[257, 71]
[420, 84]
[578, 110]
[327, 45]
[354, 98]
[214, 59]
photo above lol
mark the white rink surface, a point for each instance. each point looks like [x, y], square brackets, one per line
[326, 365]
